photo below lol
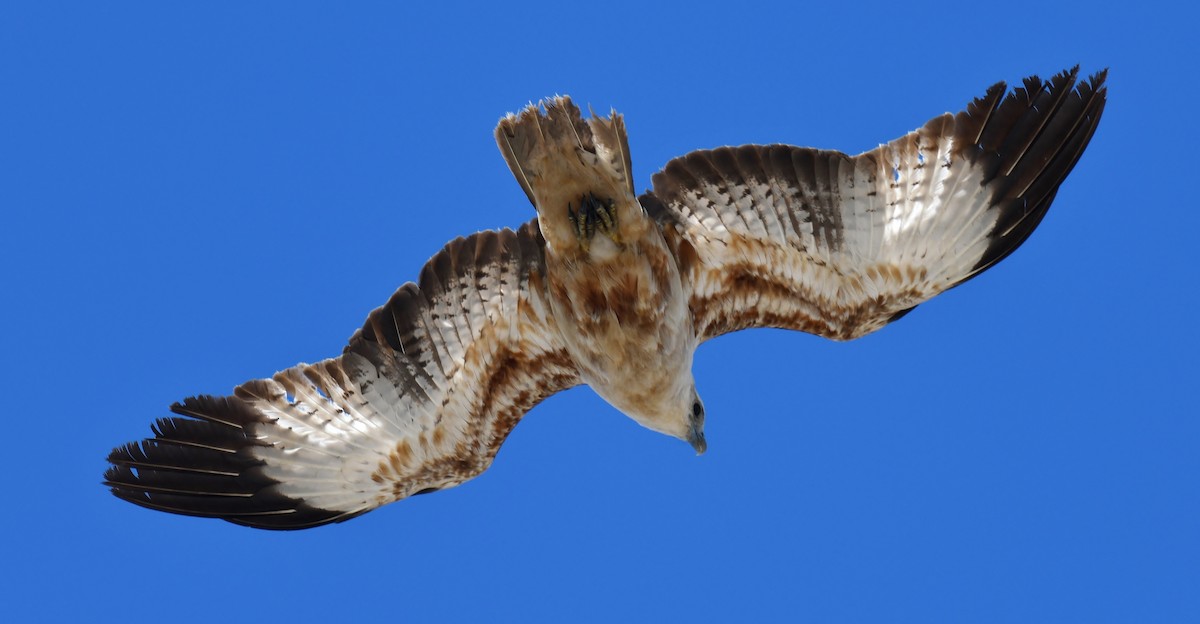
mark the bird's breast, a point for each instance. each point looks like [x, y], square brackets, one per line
[624, 316]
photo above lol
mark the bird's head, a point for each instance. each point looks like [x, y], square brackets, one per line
[681, 416]
[671, 406]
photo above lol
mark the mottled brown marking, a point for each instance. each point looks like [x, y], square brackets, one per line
[685, 253]
[508, 378]
[400, 456]
[593, 299]
[751, 297]
[474, 455]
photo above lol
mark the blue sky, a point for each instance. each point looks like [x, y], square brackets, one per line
[194, 197]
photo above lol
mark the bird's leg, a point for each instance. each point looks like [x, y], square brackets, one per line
[606, 211]
[589, 221]
[579, 223]
[594, 214]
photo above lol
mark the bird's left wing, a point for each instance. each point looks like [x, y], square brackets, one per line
[420, 400]
[839, 246]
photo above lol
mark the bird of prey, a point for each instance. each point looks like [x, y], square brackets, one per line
[615, 290]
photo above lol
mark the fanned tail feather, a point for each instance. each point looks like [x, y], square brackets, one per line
[558, 157]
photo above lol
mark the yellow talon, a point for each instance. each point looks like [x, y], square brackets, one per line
[608, 215]
[593, 214]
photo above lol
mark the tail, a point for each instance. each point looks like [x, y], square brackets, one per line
[544, 139]
[558, 157]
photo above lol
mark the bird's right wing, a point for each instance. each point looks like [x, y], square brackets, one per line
[420, 400]
[839, 246]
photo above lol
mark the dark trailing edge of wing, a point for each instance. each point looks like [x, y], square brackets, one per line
[200, 463]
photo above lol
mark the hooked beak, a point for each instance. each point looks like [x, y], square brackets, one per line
[695, 437]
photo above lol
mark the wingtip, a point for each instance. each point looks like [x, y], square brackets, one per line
[196, 466]
[1033, 140]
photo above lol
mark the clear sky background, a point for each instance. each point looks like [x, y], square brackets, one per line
[194, 197]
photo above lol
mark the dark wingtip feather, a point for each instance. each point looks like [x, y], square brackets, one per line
[200, 466]
[1028, 142]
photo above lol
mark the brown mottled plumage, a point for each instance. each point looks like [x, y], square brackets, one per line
[618, 300]
[615, 291]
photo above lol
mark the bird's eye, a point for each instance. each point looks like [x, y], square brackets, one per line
[697, 410]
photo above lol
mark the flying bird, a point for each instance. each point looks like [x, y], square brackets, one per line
[615, 290]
